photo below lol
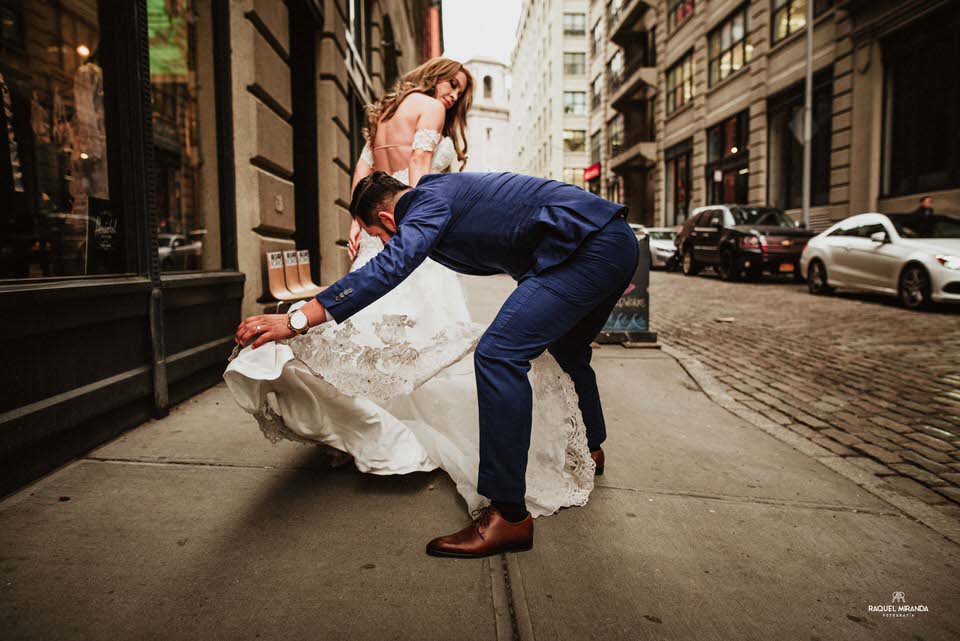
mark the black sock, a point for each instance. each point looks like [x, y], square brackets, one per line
[513, 512]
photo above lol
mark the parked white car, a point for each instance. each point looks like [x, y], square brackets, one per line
[661, 245]
[915, 258]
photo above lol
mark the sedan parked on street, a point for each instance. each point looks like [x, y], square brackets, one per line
[913, 257]
[662, 248]
[741, 240]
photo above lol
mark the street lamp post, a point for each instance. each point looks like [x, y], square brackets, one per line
[808, 119]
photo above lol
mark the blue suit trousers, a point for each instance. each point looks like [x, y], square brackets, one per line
[561, 310]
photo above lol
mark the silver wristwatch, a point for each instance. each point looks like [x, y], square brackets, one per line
[297, 320]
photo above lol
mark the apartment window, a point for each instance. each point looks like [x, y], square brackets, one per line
[728, 159]
[922, 110]
[615, 70]
[786, 144]
[575, 103]
[680, 83]
[487, 87]
[677, 12]
[615, 135]
[574, 24]
[614, 9]
[573, 176]
[595, 150]
[595, 92]
[677, 162]
[574, 64]
[790, 16]
[596, 41]
[729, 49]
[574, 139]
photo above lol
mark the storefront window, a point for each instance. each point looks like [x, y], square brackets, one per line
[922, 110]
[181, 78]
[677, 166]
[56, 217]
[786, 144]
[728, 159]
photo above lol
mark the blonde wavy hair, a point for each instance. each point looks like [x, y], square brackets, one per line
[424, 79]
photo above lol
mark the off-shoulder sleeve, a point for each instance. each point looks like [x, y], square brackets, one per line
[426, 139]
[367, 156]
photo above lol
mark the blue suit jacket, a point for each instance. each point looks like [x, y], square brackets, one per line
[475, 223]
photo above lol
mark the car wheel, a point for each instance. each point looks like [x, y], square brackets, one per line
[914, 287]
[817, 279]
[690, 265]
[728, 266]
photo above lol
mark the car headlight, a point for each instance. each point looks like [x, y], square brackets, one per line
[950, 262]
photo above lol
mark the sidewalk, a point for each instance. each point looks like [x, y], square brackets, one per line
[704, 527]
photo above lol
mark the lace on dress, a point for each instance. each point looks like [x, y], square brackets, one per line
[426, 140]
[367, 156]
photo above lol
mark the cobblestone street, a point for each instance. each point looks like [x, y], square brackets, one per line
[856, 374]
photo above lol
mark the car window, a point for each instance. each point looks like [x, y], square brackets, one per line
[762, 216]
[866, 231]
[716, 218]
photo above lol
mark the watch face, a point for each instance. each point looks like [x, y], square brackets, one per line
[298, 320]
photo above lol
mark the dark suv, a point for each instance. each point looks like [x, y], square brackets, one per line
[741, 240]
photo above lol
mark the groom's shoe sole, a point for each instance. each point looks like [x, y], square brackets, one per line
[456, 555]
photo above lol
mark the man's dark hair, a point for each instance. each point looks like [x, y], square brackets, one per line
[375, 193]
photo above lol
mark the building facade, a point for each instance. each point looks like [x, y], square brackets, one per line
[488, 123]
[151, 152]
[729, 112]
[622, 92]
[548, 97]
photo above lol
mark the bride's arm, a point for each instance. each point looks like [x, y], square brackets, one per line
[363, 169]
[425, 140]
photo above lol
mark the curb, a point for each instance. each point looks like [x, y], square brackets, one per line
[912, 507]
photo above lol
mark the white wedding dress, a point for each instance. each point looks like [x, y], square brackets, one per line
[393, 387]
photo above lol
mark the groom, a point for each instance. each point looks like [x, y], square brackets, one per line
[572, 254]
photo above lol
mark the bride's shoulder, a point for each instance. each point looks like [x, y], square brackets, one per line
[421, 103]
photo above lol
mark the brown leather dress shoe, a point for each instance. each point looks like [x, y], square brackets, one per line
[488, 535]
[598, 458]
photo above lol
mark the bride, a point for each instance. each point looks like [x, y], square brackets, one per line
[390, 387]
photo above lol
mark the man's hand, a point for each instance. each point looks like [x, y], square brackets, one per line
[270, 327]
[354, 246]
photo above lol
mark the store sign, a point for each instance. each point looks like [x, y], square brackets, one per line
[591, 173]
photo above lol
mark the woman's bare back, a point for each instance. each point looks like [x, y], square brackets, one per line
[392, 147]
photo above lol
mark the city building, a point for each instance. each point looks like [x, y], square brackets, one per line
[622, 96]
[489, 146]
[548, 97]
[151, 152]
[886, 105]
